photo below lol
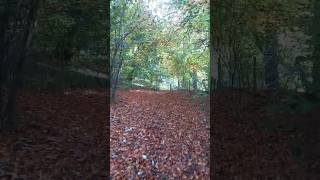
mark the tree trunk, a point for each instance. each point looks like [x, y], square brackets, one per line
[239, 76]
[316, 70]
[248, 76]
[3, 53]
[117, 62]
[15, 68]
[254, 73]
[271, 64]
[114, 77]
[216, 53]
[194, 80]
[315, 29]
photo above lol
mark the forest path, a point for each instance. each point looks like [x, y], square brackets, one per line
[158, 134]
[62, 136]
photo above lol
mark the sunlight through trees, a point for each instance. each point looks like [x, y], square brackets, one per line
[160, 44]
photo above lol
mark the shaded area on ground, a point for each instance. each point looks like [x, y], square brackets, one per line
[245, 146]
[61, 135]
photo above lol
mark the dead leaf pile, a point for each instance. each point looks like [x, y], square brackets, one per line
[156, 135]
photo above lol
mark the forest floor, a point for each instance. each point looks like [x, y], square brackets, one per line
[164, 135]
[159, 135]
[250, 142]
[62, 135]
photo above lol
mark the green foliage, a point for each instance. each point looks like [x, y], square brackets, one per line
[157, 50]
[244, 29]
[72, 25]
[68, 34]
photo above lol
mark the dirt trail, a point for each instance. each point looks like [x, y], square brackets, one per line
[158, 135]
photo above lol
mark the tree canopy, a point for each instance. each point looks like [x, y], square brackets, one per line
[159, 46]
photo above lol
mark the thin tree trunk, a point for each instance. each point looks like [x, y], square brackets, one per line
[194, 80]
[271, 64]
[116, 66]
[254, 73]
[239, 75]
[248, 76]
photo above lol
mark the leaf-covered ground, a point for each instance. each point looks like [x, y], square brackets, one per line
[159, 135]
[61, 136]
[156, 135]
[243, 148]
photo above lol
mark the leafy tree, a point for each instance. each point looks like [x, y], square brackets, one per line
[156, 50]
